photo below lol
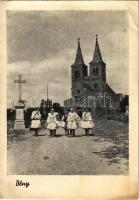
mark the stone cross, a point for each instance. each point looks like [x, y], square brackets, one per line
[20, 81]
[19, 124]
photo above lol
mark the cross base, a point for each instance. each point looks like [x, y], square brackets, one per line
[19, 125]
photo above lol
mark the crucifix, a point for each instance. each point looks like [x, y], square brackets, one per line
[20, 81]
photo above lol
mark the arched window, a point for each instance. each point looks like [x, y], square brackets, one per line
[78, 91]
[95, 71]
[95, 85]
[77, 74]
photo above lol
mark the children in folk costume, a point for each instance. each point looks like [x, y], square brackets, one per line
[36, 121]
[72, 121]
[52, 122]
[86, 122]
[64, 119]
[59, 121]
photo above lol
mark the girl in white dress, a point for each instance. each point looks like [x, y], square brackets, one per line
[35, 123]
[52, 122]
[72, 121]
[87, 122]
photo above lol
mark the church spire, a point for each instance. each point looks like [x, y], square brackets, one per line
[97, 54]
[79, 58]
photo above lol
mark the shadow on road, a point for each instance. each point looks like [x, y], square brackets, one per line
[113, 152]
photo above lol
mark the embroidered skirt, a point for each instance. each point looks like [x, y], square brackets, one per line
[52, 126]
[61, 124]
[72, 125]
[35, 123]
[87, 124]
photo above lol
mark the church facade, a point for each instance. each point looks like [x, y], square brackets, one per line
[91, 89]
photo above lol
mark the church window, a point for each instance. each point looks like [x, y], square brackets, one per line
[95, 71]
[95, 85]
[77, 74]
[78, 91]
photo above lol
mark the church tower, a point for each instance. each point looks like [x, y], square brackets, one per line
[78, 72]
[97, 71]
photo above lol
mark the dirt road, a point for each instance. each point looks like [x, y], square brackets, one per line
[106, 152]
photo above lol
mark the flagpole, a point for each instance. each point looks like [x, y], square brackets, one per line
[13, 103]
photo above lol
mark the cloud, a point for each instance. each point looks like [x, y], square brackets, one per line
[54, 72]
[42, 46]
[38, 35]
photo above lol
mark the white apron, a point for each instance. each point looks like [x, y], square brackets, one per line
[86, 121]
[51, 121]
[36, 116]
[72, 120]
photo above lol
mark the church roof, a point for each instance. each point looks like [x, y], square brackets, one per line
[79, 58]
[97, 54]
[109, 89]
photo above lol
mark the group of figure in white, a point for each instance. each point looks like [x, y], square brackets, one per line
[70, 122]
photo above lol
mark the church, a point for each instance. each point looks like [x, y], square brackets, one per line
[91, 89]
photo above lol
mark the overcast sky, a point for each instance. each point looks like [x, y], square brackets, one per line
[42, 46]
